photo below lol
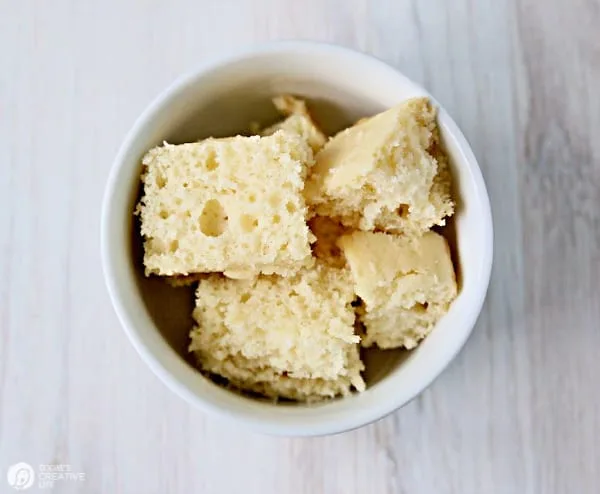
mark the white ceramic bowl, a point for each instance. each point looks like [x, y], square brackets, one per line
[220, 99]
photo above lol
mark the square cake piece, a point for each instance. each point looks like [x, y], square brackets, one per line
[281, 337]
[298, 120]
[386, 173]
[406, 285]
[232, 205]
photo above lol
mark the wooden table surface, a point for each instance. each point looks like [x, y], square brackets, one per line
[517, 412]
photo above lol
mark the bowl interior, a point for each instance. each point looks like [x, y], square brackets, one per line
[341, 87]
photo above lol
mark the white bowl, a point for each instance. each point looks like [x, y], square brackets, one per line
[220, 99]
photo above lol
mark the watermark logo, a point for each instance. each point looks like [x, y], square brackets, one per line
[50, 475]
[20, 476]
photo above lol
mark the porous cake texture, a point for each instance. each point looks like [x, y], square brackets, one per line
[385, 173]
[232, 205]
[327, 231]
[281, 337]
[298, 120]
[406, 285]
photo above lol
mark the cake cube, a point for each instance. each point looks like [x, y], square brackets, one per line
[387, 173]
[406, 284]
[232, 205]
[298, 120]
[300, 344]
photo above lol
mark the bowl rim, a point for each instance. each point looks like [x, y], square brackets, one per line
[296, 426]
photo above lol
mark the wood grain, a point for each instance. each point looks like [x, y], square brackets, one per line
[517, 412]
